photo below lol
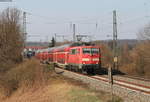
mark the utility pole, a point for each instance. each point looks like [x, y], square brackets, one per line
[55, 36]
[110, 76]
[24, 27]
[74, 33]
[115, 46]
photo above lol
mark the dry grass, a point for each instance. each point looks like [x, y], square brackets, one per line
[51, 93]
[24, 75]
[57, 91]
[32, 82]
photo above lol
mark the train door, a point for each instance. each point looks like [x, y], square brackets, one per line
[77, 59]
[74, 56]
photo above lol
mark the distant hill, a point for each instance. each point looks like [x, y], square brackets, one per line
[131, 42]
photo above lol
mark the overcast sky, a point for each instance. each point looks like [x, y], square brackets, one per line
[92, 17]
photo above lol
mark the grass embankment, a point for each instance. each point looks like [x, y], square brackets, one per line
[32, 82]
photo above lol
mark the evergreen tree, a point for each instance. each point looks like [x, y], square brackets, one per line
[52, 44]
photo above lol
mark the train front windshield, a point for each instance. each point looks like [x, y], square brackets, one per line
[91, 51]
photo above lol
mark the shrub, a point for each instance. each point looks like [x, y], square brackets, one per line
[26, 75]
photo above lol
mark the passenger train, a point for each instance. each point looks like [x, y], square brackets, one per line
[80, 57]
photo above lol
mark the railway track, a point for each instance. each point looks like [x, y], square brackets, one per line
[127, 84]
[137, 78]
[130, 80]
[134, 80]
[122, 86]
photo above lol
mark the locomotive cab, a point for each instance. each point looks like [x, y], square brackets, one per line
[84, 59]
[91, 59]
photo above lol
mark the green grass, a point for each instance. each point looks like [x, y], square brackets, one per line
[81, 95]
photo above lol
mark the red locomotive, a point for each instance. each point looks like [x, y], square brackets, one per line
[80, 57]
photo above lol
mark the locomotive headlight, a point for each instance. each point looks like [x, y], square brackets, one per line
[85, 59]
[95, 59]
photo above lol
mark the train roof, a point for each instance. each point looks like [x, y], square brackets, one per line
[82, 44]
[62, 47]
[71, 45]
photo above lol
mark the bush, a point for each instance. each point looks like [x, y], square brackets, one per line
[27, 75]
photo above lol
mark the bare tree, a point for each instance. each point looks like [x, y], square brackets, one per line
[106, 55]
[142, 51]
[125, 56]
[144, 33]
[11, 37]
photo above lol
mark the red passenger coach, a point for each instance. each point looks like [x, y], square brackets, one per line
[81, 57]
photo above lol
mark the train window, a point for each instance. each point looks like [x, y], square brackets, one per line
[95, 50]
[73, 51]
[86, 50]
[90, 50]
